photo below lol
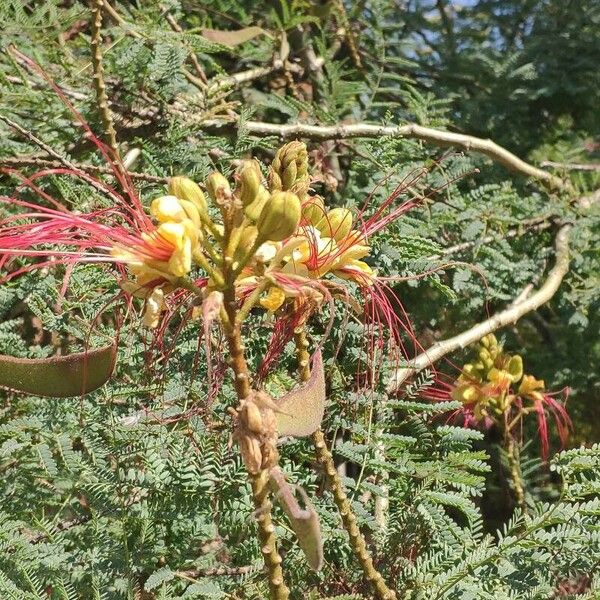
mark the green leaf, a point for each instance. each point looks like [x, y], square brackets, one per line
[59, 376]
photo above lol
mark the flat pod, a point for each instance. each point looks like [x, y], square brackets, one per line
[304, 521]
[59, 376]
[303, 408]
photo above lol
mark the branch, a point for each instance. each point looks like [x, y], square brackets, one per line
[93, 169]
[571, 166]
[434, 136]
[536, 224]
[499, 320]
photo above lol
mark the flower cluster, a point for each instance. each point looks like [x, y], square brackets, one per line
[493, 389]
[269, 237]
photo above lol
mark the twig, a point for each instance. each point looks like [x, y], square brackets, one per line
[54, 164]
[61, 160]
[216, 572]
[174, 25]
[571, 166]
[37, 85]
[537, 224]
[324, 457]
[435, 136]
[501, 319]
[99, 84]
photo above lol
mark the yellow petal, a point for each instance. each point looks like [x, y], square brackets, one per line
[172, 233]
[273, 300]
[154, 306]
[167, 208]
[180, 262]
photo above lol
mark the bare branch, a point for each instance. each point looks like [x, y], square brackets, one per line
[94, 169]
[571, 166]
[501, 319]
[536, 224]
[468, 143]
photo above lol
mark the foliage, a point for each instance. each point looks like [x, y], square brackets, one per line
[135, 490]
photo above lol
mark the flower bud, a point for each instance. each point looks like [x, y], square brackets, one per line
[280, 217]
[313, 210]
[337, 223]
[250, 179]
[186, 189]
[515, 367]
[252, 211]
[217, 186]
[289, 169]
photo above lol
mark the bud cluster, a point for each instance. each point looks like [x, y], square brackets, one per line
[247, 232]
[486, 384]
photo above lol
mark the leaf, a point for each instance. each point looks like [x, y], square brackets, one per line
[304, 521]
[59, 376]
[157, 578]
[302, 409]
[233, 38]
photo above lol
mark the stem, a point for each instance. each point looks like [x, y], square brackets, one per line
[357, 541]
[512, 452]
[100, 86]
[260, 481]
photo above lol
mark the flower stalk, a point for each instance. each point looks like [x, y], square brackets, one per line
[325, 458]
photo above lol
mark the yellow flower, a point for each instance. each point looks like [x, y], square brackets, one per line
[530, 388]
[167, 208]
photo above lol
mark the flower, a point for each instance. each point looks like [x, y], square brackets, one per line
[485, 390]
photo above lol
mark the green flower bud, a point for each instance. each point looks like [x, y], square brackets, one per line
[253, 210]
[247, 239]
[313, 210]
[186, 189]
[337, 223]
[217, 186]
[250, 179]
[289, 169]
[280, 217]
[515, 367]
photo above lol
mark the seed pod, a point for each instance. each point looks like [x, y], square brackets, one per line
[252, 211]
[186, 189]
[250, 179]
[337, 224]
[313, 210]
[280, 217]
[217, 186]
